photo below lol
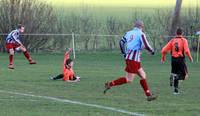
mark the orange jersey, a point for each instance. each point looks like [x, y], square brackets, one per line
[67, 72]
[178, 46]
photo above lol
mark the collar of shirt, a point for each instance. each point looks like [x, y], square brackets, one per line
[179, 36]
[136, 28]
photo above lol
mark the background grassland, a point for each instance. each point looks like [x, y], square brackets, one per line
[122, 9]
[124, 3]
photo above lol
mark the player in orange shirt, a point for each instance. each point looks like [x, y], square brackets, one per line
[178, 47]
[68, 73]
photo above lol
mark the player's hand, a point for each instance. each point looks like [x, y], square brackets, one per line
[78, 79]
[69, 49]
[124, 55]
[191, 60]
[162, 59]
[186, 77]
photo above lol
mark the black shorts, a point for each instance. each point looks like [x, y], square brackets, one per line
[179, 67]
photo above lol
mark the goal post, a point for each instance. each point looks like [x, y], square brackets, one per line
[73, 45]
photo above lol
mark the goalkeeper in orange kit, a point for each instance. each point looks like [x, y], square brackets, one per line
[68, 73]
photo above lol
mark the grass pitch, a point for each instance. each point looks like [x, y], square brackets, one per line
[94, 69]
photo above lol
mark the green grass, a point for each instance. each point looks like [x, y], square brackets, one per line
[94, 69]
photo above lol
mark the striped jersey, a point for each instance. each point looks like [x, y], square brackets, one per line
[13, 37]
[132, 44]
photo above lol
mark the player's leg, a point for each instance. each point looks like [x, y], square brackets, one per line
[131, 69]
[77, 79]
[183, 71]
[171, 80]
[74, 79]
[143, 82]
[144, 85]
[176, 83]
[11, 55]
[60, 76]
[121, 80]
[182, 74]
[27, 55]
[178, 73]
[10, 49]
[174, 74]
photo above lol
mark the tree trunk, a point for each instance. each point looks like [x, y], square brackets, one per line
[175, 22]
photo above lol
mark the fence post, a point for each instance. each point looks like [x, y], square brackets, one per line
[73, 45]
[198, 48]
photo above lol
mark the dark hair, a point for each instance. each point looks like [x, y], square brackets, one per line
[179, 31]
[19, 26]
[68, 61]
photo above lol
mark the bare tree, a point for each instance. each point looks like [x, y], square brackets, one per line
[97, 28]
[113, 27]
[86, 27]
[175, 22]
[66, 24]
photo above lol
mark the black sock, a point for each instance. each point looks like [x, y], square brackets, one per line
[176, 81]
[60, 76]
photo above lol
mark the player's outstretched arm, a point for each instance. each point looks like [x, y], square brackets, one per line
[68, 51]
[66, 56]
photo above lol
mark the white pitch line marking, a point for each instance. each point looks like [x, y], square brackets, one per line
[75, 102]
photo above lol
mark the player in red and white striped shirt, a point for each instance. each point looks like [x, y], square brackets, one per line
[13, 42]
[131, 46]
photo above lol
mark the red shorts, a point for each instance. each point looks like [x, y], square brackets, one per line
[12, 46]
[132, 66]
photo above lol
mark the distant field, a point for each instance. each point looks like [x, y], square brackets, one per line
[121, 9]
[94, 69]
[123, 3]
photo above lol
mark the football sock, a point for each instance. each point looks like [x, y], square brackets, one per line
[60, 76]
[176, 81]
[119, 81]
[11, 59]
[144, 85]
[26, 54]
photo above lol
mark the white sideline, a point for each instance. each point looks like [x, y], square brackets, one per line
[75, 102]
